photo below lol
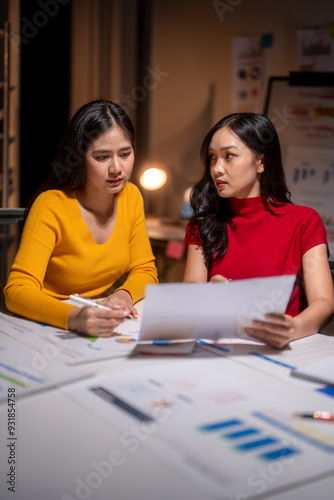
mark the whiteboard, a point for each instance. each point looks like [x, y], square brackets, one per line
[302, 109]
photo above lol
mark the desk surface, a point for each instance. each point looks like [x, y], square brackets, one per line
[165, 229]
[65, 451]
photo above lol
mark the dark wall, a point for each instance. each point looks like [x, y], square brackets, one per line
[3, 20]
[45, 87]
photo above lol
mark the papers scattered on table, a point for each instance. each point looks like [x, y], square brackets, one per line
[68, 347]
[295, 357]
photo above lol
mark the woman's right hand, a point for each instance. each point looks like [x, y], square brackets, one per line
[96, 322]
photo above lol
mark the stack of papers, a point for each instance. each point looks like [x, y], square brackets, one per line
[321, 372]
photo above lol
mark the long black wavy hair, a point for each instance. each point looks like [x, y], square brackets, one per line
[68, 170]
[212, 212]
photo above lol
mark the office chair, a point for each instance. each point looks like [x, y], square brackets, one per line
[10, 232]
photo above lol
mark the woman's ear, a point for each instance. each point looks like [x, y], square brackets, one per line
[260, 165]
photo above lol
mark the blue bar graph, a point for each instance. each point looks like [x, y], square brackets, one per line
[276, 454]
[245, 438]
[256, 444]
[242, 433]
[220, 425]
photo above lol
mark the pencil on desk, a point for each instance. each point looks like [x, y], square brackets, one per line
[318, 415]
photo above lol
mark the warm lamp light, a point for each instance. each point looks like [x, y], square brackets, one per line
[153, 178]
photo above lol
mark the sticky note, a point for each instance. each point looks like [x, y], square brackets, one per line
[174, 249]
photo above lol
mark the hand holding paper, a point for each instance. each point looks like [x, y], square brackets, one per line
[212, 310]
[275, 329]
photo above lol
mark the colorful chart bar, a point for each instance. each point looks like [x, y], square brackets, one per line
[251, 445]
[239, 434]
[277, 454]
[220, 425]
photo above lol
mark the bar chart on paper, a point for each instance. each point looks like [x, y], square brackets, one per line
[248, 452]
[219, 431]
[244, 438]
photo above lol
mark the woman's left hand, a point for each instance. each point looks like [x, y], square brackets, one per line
[218, 278]
[276, 330]
[122, 299]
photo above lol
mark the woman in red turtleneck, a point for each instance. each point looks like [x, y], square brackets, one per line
[245, 226]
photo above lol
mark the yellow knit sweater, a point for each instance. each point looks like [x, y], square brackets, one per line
[58, 256]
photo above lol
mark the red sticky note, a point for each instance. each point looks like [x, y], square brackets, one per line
[175, 249]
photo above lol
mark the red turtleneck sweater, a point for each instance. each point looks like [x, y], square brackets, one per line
[262, 244]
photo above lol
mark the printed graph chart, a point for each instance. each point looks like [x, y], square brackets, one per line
[236, 454]
[244, 438]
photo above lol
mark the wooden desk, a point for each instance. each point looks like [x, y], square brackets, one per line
[160, 232]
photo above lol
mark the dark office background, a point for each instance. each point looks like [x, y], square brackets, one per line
[45, 84]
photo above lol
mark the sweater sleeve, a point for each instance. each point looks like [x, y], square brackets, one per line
[142, 270]
[24, 293]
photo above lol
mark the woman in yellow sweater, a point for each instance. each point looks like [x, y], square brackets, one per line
[85, 230]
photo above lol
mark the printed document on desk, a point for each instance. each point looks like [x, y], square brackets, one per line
[320, 371]
[216, 423]
[211, 310]
[280, 363]
[24, 370]
[69, 347]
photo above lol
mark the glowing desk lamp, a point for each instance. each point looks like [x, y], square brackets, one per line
[153, 178]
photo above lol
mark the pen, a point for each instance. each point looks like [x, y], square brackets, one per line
[91, 303]
[319, 415]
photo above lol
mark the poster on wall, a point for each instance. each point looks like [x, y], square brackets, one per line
[248, 70]
[315, 50]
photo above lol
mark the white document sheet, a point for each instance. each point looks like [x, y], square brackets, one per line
[320, 371]
[216, 423]
[69, 347]
[280, 363]
[211, 310]
[24, 370]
